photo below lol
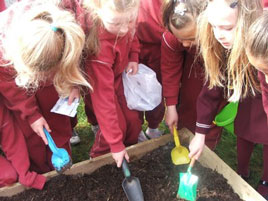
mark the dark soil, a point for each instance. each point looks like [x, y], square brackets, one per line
[158, 176]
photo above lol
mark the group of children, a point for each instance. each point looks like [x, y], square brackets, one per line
[204, 53]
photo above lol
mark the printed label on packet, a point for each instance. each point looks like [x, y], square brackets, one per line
[63, 108]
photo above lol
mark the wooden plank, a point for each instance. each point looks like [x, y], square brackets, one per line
[208, 159]
[89, 166]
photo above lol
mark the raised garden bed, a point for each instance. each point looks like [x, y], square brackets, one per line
[158, 176]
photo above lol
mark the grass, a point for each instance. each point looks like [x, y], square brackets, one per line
[226, 148]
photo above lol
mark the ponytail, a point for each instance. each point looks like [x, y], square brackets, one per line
[46, 41]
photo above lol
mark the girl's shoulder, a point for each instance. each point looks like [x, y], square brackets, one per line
[171, 42]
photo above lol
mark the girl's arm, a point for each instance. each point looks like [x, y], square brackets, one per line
[103, 97]
[17, 99]
[172, 56]
[134, 50]
[207, 106]
[134, 56]
[208, 103]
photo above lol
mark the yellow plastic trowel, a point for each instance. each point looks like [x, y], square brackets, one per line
[179, 154]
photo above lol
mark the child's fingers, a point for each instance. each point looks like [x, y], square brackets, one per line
[119, 162]
[195, 154]
[127, 157]
[170, 129]
[134, 71]
[192, 153]
[47, 127]
[70, 99]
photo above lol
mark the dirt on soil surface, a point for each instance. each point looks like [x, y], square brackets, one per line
[158, 176]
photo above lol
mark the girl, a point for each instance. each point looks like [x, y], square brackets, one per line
[257, 51]
[149, 33]
[180, 66]
[48, 71]
[229, 76]
[113, 31]
[15, 165]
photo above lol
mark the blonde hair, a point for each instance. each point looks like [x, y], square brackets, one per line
[180, 13]
[94, 7]
[241, 77]
[44, 40]
[257, 38]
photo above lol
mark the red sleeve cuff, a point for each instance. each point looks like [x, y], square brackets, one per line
[33, 118]
[39, 182]
[117, 147]
[134, 57]
[33, 180]
[171, 101]
[202, 130]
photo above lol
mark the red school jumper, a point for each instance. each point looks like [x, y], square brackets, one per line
[149, 33]
[15, 165]
[119, 126]
[250, 125]
[28, 108]
[2, 5]
[183, 78]
[265, 3]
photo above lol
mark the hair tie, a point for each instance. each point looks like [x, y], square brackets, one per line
[180, 9]
[53, 28]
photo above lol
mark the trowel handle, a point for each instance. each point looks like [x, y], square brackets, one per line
[191, 165]
[192, 162]
[176, 137]
[51, 142]
[125, 169]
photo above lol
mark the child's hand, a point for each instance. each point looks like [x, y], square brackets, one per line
[132, 67]
[75, 93]
[38, 126]
[197, 145]
[119, 156]
[171, 117]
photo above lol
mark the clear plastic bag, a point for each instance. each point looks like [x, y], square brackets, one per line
[143, 92]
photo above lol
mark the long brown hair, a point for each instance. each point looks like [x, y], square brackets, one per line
[230, 68]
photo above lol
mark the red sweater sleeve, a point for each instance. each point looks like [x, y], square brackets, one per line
[172, 56]
[264, 90]
[265, 3]
[134, 50]
[207, 106]
[2, 5]
[104, 98]
[16, 98]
